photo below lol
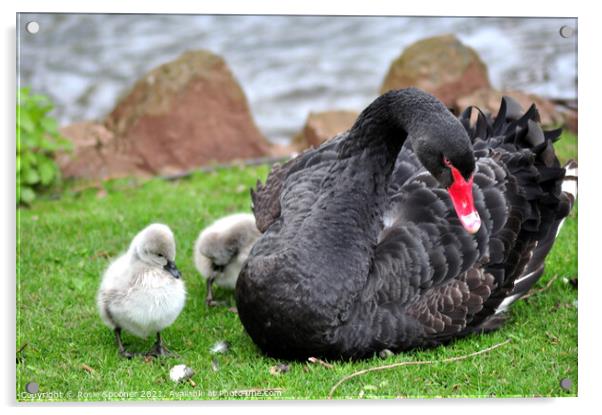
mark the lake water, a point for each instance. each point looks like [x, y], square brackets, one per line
[287, 65]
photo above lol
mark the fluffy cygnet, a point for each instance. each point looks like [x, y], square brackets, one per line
[142, 291]
[222, 248]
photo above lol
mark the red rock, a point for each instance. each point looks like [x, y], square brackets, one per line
[181, 115]
[441, 65]
[321, 126]
[571, 120]
[94, 154]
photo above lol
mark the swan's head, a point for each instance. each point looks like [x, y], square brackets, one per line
[446, 152]
[155, 246]
[223, 242]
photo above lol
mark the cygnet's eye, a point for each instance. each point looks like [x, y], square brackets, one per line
[160, 255]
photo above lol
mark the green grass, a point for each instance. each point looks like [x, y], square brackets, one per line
[66, 244]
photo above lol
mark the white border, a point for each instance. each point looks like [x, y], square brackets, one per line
[589, 229]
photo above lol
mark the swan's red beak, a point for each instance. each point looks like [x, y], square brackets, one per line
[461, 195]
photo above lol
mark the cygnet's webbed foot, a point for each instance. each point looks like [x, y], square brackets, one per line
[122, 352]
[159, 349]
[213, 303]
[127, 355]
[209, 298]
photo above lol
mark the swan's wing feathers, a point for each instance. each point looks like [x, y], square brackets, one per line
[266, 197]
[421, 219]
[445, 310]
[422, 244]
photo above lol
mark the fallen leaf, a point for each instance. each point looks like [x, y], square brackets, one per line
[553, 339]
[101, 254]
[87, 368]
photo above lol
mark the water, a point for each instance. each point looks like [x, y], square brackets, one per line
[287, 65]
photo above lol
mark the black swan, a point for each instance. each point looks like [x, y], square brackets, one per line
[374, 242]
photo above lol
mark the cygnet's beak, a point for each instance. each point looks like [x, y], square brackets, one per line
[172, 269]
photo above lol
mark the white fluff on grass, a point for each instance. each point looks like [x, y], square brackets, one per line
[223, 247]
[180, 373]
[141, 291]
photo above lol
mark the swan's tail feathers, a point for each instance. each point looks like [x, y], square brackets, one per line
[491, 324]
[569, 187]
[569, 183]
[547, 194]
[535, 266]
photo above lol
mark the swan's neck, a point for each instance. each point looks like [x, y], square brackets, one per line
[344, 224]
[382, 128]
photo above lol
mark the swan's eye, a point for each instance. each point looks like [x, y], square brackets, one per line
[447, 162]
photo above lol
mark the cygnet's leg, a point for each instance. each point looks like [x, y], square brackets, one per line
[159, 349]
[122, 351]
[209, 299]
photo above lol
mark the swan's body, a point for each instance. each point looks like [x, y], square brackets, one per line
[363, 249]
[222, 248]
[141, 291]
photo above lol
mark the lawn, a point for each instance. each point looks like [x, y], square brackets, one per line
[65, 244]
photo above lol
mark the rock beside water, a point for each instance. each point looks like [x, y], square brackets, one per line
[455, 74]
[181, 115]
[321, 126]
[441, 65]
[96, 153]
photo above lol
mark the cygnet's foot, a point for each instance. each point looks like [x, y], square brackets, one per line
[122, 352]
[127, 355]
[159, 350]
[214, 303]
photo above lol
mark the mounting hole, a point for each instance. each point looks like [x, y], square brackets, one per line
[32, 387]
[566, 31]
[32, 27]
[566, 384]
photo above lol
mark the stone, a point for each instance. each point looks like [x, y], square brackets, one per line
[571, 120]
[178, 117]
[95, 154]
[321, 126]
[440, 65]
